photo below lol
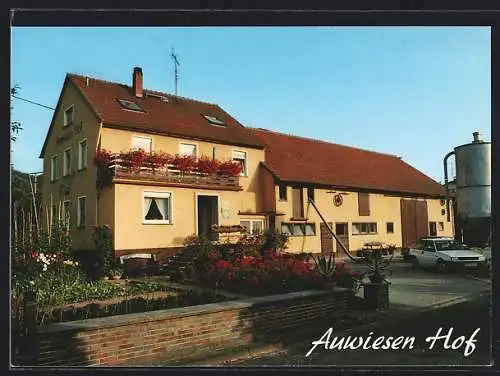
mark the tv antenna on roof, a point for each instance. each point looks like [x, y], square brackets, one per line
[176, 65]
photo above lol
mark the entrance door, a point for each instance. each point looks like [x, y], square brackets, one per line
[326, 239]
[341, 230]
[208, 215]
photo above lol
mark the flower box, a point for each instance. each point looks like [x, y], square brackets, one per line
[166, 168]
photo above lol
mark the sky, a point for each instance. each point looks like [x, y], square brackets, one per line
[416, 92]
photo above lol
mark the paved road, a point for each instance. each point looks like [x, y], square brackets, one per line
[414, 288]
[464, 318]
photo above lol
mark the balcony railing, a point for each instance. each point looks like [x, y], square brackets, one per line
[120, 171]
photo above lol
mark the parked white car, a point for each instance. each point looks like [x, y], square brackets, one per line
[443, 253]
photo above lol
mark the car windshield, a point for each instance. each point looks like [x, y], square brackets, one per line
[449, 245]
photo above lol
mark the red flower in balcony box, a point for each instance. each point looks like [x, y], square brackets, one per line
[158, 159]
[125, 158]
[103, 158]
[138, 158]
[230, 168]
[184, 163]
[207, 165]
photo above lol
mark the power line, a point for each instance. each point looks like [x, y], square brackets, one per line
[32, 102]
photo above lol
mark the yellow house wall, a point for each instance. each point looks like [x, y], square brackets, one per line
[106, 206]
[80, 183]
[131, 233]
[434, 209]
[383, 209]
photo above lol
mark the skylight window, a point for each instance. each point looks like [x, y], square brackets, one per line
[215, 121]
[158, 96]
[129, 105]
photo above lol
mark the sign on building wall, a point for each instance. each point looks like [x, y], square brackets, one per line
[225, 209]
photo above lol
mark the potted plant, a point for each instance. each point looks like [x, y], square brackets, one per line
[376, 292]
[325, 267]
[116, 273]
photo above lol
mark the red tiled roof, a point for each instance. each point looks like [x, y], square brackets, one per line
[298, 159]
[179, 117]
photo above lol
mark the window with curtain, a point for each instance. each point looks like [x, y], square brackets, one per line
[157, 207]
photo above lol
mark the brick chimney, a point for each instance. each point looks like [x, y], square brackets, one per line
[137, 82]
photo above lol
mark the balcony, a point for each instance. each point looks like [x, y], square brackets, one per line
[174, 173]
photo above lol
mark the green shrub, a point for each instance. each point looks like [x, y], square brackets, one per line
[274, 240]
[105, 254]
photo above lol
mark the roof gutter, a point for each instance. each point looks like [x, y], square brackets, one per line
[98, 190]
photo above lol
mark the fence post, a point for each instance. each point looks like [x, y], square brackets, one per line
[30, 327]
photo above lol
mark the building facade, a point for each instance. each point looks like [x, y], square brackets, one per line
[355, 190]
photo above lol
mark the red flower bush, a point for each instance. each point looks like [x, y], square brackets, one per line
[159, 159]
[184, 163]
[208, 165]
[230, 168]
[103, 158]
[266, 274]
[133, 159]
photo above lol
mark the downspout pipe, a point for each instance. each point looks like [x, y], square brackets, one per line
[445, 162]
[98, 189]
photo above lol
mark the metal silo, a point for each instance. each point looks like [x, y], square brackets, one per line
[473, 185]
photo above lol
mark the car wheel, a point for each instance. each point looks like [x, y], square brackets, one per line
[441, 266]
[414, 262]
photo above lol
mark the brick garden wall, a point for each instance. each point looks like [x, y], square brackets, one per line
[170, 335]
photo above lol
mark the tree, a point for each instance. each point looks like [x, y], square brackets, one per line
[15, 126]
[26, 197]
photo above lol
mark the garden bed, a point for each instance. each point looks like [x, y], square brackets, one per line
[126, 297]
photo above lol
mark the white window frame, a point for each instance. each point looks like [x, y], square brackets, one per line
[82, 163]
[66, 167]
[53, 169]
[158, 194]
[301, 226]
[65, 120]
[234, 151]
[190, 144]
[66, 220]
[54, 213]
[252, 221]
[135, 136]
[289, 227]
[367, 224]
[78, 214]
[312, 225]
